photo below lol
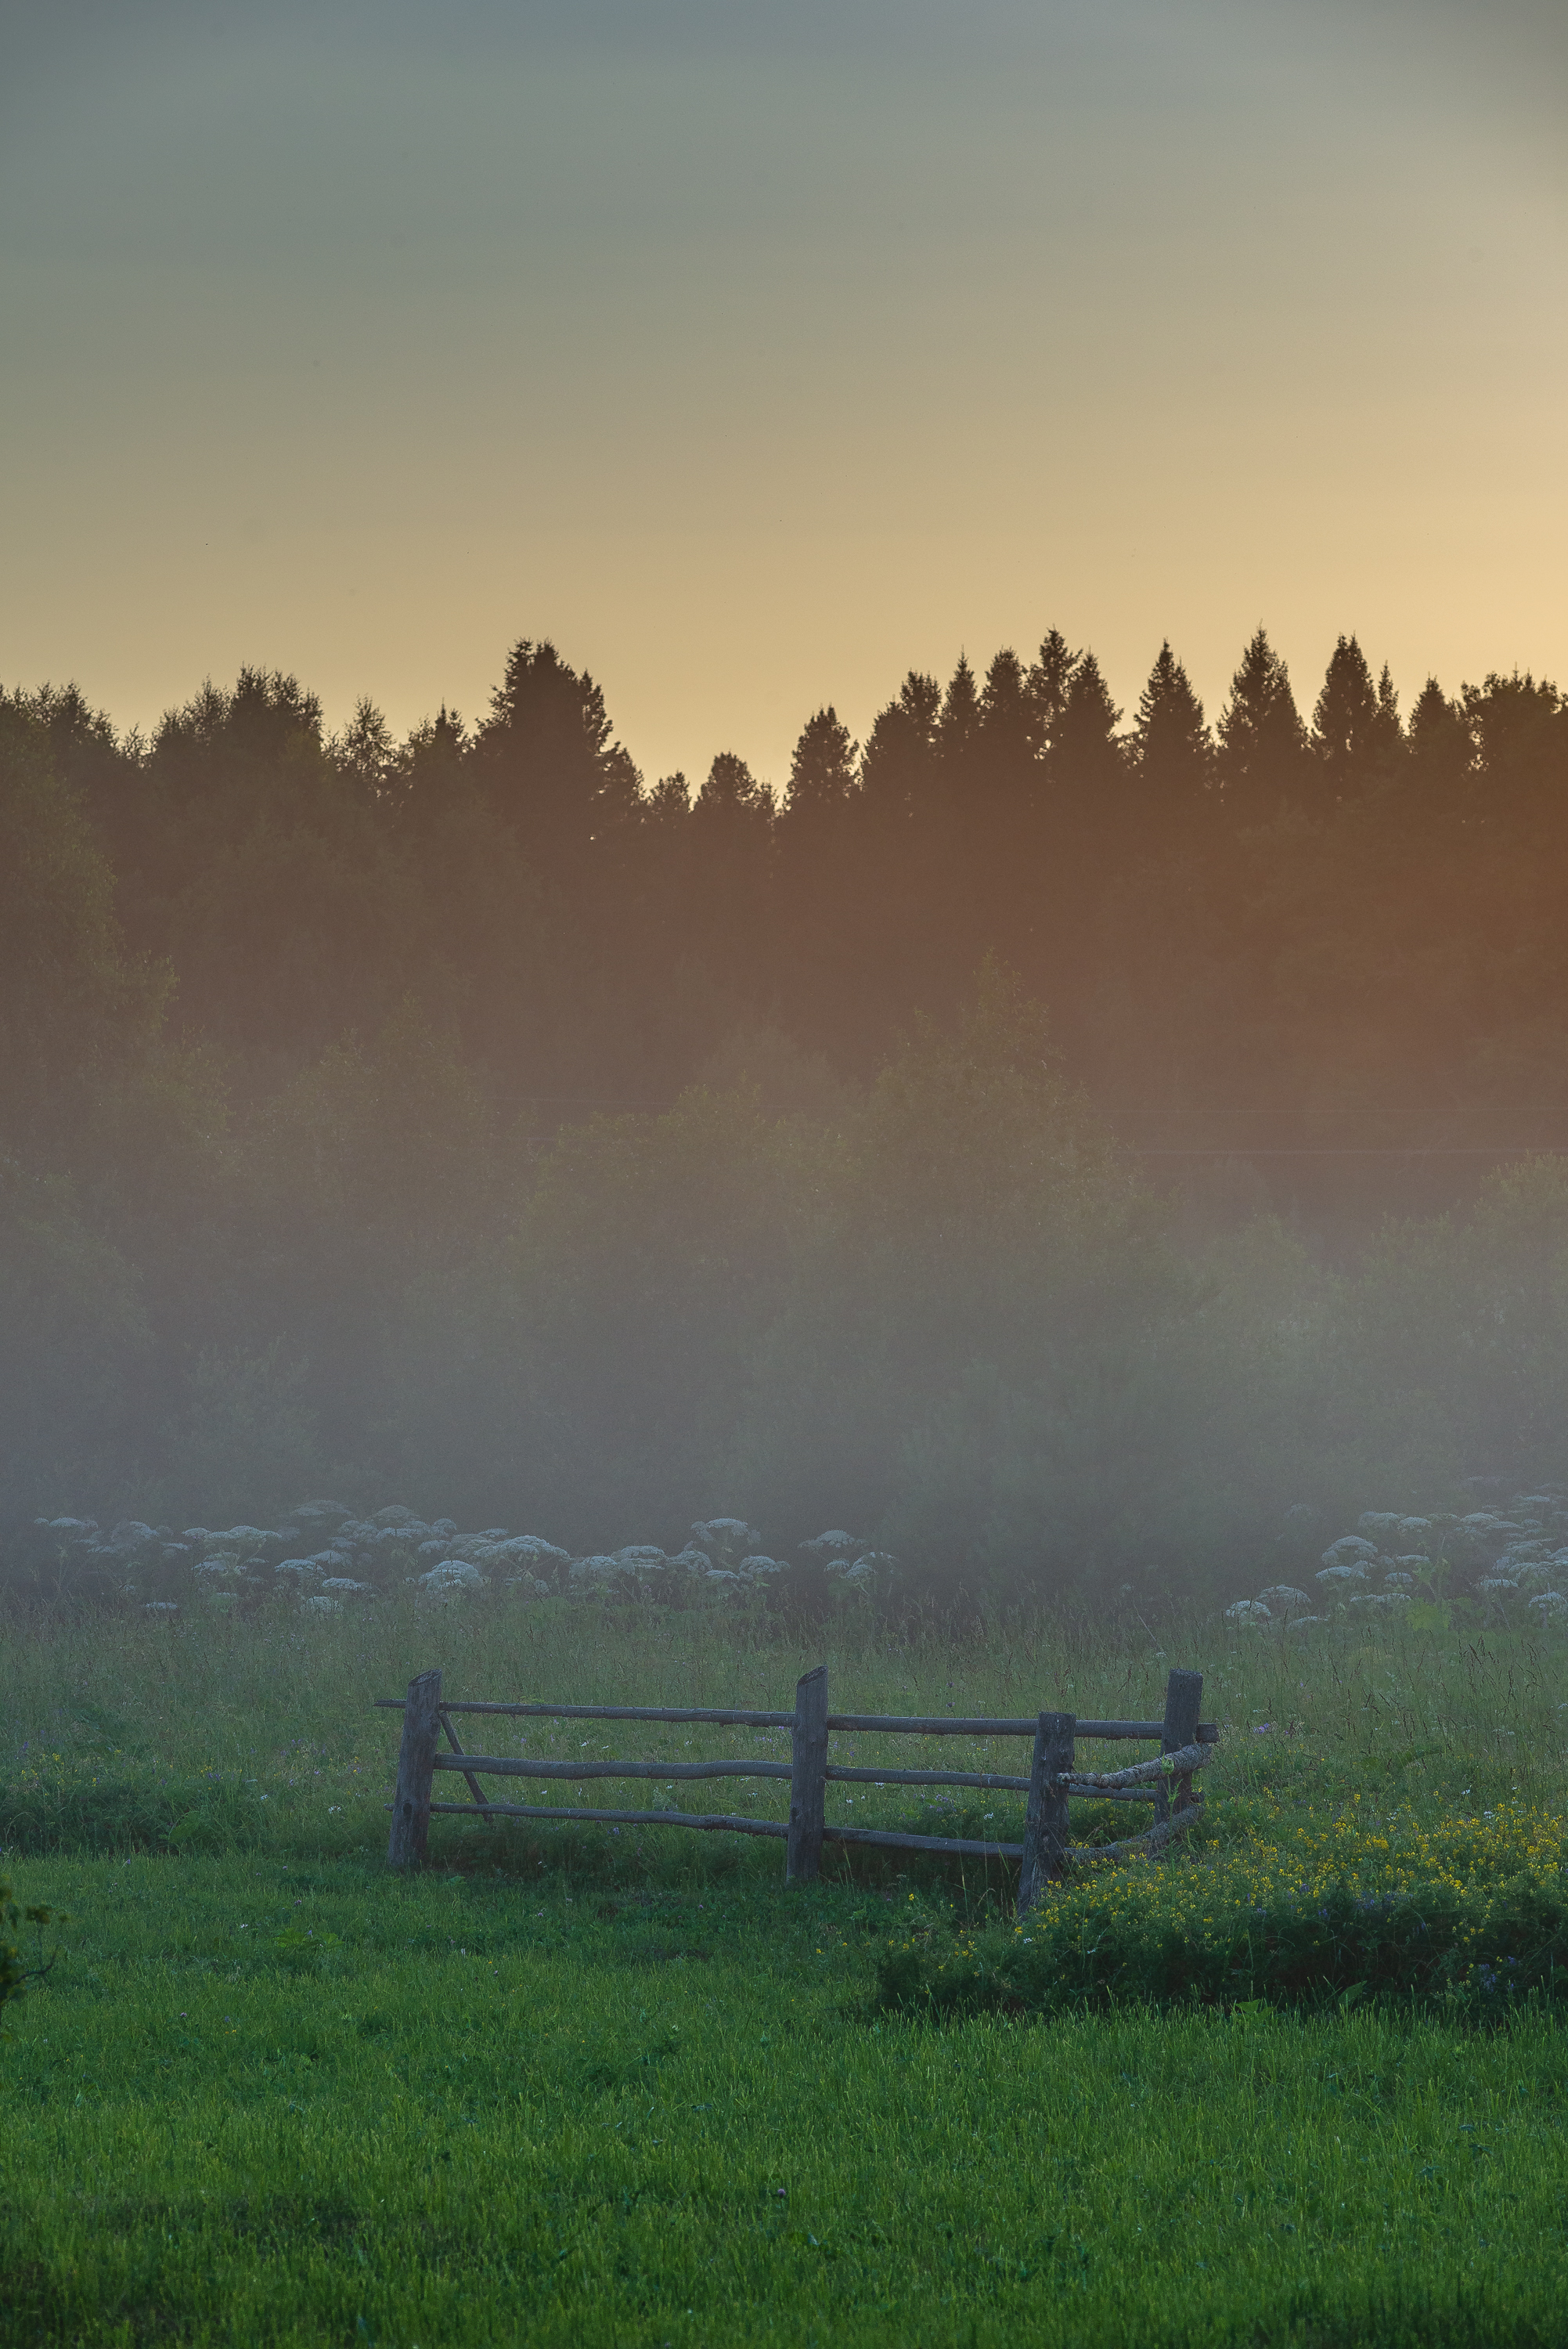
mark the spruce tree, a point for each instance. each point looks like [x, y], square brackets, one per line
[549, 762]
[822, 769]
[898, 765]
[733, 798]
[1170, 743]
[1520, 729]
[1440, 749]
[1009, 768]
[1263, 747]
[813, 830]
[958, 728]
[1005, 712]
[1356, 729]
[731, 859]
[1390, 732]
[1085, 753]
[365, 753]
[1049, 681]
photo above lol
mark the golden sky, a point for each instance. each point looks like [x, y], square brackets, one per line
[757, 353]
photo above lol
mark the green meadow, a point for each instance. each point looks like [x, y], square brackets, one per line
[571, 2087]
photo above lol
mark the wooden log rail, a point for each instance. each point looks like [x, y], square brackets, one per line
[1045, 1855]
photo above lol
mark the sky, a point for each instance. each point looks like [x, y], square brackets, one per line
[756, 353]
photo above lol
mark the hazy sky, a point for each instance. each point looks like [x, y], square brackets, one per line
[757, 352]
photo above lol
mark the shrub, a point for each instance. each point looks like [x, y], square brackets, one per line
[1474, 1914]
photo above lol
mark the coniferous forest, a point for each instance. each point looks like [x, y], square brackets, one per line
[1069, 1144]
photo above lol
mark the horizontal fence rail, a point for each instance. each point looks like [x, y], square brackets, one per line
[1045, 1855]
[893, 1724]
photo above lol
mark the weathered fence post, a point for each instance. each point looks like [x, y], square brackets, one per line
[1046, 1820]
[1183, 1694]
[807, 1778]
[416, 1771]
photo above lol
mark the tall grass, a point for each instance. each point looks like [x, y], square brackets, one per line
[263, 1732]
[290, 2104]
[567, 2087]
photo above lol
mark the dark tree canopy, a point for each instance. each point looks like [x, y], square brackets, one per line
[550, 761]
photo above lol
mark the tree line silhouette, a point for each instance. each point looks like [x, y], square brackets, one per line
[322, 1058]
[1281, 933]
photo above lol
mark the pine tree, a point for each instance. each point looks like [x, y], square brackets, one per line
[1049, 681]
[1355, 732]
[899, 765]
[822, 769]
[1262, 745]
[548, 758]
[1005, 708]
[730, 863]
[666, 809]
[1390, 732]
[958, 728]
[1520, 729]
[732, 794]
[1170, 743]
[1440, 749]
[1007, 770]
[364, 752]
[813, 828]
[1086, 754]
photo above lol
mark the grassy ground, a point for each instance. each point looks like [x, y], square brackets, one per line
[571, 2088]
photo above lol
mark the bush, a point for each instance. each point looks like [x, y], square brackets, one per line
[14, 1975]
[1474, 1915]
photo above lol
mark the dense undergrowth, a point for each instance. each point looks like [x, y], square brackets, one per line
[1469, 1916]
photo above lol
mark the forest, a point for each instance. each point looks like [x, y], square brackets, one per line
[1077, 1148]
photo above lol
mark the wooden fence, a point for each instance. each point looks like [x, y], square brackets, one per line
[1165, 1780]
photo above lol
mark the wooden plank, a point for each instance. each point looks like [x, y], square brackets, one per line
[1152, 1839]
[1046, 1822]
[565, 1816]
[889, 1840]
[507, 1765]
[808, 1780]
[988, 1781]
[894, 1724]
[1183, 1694]
[439, 1761]
[725, 1716]
[887, 1837]
[1078, 1793]
[416, 1762]
[946, 1726]
[1158, 1772]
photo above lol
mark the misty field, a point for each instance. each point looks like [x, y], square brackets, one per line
[571, 2087]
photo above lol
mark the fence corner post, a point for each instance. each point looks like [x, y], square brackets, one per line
[416, 1773]
[1046, 1822]
[807, 1778]
[1184, 1695]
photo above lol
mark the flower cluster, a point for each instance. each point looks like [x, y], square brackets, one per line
[1508, 1560]
[1302, 1909]
[323, 1559]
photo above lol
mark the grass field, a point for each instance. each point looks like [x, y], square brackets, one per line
[567, 2087]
